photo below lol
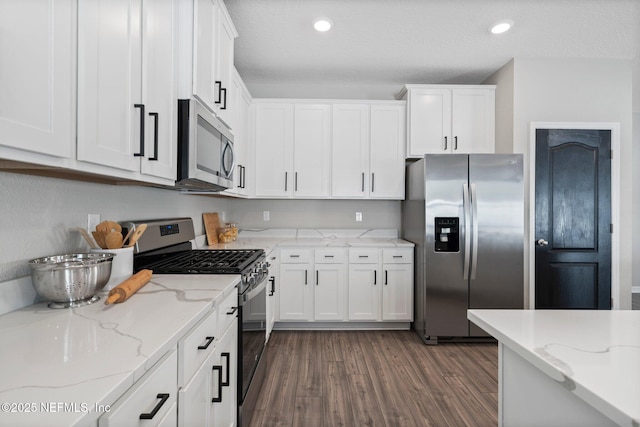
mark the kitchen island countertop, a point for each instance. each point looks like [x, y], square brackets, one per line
[595, 355]
[86, 357]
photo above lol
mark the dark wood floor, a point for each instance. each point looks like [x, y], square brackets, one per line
[376, 378]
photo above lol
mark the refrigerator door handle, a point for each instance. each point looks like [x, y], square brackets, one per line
[474, 249]
[466, 205]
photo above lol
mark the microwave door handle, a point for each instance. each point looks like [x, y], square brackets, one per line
[227, 149]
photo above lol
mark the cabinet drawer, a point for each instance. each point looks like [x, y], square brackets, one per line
[330, 255]
[227, 312]
[197, 344]
[397, 256]
[364, 256]
[155, 393]
[296, 256]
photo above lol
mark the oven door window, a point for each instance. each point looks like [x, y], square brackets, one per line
[208, 148]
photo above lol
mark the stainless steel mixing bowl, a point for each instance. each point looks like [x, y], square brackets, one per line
[71, 280]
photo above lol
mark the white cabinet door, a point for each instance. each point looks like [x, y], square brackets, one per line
[273, 149]
[397, 292]
[296, 292]
[194, 399]
[224, 380]
[330, 286]
[388, 141]
[204, 45]
[272, 292]
[37, 78]
[111, 116]
[240, 123]
[350, 151]
[312, 145]
[429, 121]
[152, 397]
[159, 91]
[473, 122]
[365, 288]
[226, 33]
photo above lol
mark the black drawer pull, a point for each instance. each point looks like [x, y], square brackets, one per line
[219, 398]
[233, 310]
[328, 256]
[363, 256]
[397, 256]
[375, 277]
[207, 344]
[163, 398]
[228, 357]
[386, 277]
[272, 280]
[294, 256]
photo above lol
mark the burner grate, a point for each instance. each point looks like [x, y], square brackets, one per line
[227, 261]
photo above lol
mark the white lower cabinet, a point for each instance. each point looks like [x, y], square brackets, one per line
[340, 284]
[397, 288]
[150, 401]
[272, 291]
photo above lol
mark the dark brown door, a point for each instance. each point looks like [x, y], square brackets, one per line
[573, 219]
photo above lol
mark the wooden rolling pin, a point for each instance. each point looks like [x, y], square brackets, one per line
[124, 290]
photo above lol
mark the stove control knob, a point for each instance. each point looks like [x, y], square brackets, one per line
[251, 280]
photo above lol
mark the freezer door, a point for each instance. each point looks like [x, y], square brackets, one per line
[445, 287]
[497, 261]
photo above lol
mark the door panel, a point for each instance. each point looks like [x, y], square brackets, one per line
[573, 217]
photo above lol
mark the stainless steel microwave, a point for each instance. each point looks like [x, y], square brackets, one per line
[205, 149]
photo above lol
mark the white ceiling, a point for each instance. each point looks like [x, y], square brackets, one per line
[393, 42]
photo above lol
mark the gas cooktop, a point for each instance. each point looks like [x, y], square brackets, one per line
[200, 261]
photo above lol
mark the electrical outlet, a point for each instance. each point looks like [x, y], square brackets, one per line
[92, 221]
[266, 216]
[358, 216]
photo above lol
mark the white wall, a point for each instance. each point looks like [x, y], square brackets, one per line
[37, 215]
[574, 90]
[316, 213]
[503, 79]
[636, 201]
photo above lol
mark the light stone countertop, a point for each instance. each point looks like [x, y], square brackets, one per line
[595, 354]
[91, 355]
[268, 239]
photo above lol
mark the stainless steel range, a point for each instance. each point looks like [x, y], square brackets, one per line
[166, 248]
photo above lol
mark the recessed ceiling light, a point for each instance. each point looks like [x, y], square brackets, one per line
[501, 27]
[322, 24]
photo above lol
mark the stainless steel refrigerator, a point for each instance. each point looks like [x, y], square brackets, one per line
[465, 213]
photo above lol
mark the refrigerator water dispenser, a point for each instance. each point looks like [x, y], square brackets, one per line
[447, 234]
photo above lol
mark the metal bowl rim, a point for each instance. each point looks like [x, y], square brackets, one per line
[82, 260]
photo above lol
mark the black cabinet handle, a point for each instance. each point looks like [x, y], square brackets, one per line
[328, 256]
[218, 84]
[239, 169]
[455, 142]
[363, 256]
[386, 277]
[163, 398]
[207, 344]
[244, 176]
[286, 178]
[224, 104]
[295, 182]
[363, 182]
[305, 277]
[375, 277]
[317, 273]
[219, 398]
[233, 310]
[228, 357]
[272, 280]
[373, 182]
[155, 136]
[141, 107]
[445, 143]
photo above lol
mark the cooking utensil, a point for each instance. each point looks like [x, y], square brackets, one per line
[71, 280]
[124, 290]
[108, 226]
[100, 236]
[127, 237]
[136, 234]
[113, 240]
[92, 243]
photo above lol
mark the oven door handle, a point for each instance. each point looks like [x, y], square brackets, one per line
[254, 292]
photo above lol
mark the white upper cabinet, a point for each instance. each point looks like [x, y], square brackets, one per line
[241, 108]
[127, 88]
[273, 123]
[312, 145]
[368, 150]
[37, 81]
[450, 119]
[206, 60]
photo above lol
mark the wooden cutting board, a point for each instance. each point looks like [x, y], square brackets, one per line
[211, 225]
